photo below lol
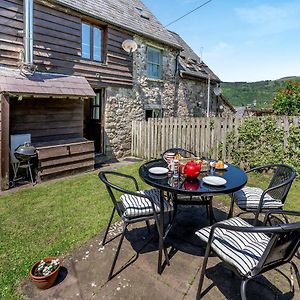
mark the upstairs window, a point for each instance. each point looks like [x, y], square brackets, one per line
[154, 63]
[91, 42]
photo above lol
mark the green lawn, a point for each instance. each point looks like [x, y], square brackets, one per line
[56, 217]
[49, 220]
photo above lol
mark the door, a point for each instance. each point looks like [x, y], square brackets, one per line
[94, 120]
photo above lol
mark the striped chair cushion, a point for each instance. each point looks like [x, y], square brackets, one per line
[242, 250]
[249, 197]
[138, 206]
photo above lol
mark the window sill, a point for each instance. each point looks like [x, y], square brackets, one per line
[102, 62]
[155, 80]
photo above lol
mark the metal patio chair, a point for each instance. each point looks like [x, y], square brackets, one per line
[132, 207]
[250, 251]
[181, 151]
[189, 200]
[257, 200]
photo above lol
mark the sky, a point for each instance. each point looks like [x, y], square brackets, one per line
[240, 40]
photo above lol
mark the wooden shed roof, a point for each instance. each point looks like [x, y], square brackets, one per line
[12, 81]
[191, 64]
[131, 15]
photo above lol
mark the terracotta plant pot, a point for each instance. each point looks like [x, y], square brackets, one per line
[44, 282]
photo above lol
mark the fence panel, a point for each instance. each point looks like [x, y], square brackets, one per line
[204, 136]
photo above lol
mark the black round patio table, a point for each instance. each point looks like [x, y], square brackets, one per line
[235, 180]
[235, 177]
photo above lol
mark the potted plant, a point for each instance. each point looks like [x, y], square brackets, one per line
[44, 273]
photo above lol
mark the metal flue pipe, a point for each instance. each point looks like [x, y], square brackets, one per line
[208, 97]
[28, 32]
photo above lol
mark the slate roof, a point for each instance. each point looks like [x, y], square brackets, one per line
[226, 102]
[125, 14]
[12, 81]
[190, 62]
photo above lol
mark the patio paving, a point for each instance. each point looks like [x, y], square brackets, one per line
[85, 271]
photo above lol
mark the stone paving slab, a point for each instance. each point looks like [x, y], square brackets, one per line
[85, 271]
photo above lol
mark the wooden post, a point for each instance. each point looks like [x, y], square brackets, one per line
[4, 148]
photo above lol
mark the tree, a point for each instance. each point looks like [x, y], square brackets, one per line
[287, 100]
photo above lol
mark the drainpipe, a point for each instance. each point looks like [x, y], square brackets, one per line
[208, 96]
[28, 32]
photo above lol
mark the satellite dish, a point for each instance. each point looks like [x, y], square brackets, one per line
[218, 90]
[129, 46]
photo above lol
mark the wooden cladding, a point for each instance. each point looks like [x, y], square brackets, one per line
[57, 45]
[4, 142]
[65, 159]
[47, 119]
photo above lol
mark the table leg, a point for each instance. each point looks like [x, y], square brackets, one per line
[161, 232]
[212, 218]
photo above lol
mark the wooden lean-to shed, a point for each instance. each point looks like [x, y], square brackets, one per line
[49, 107]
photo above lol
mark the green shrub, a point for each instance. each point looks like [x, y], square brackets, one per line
[261, 141]
[287, 100]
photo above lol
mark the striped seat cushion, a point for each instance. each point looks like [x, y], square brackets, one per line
[249, 197]
[243, 250]
[138, 206]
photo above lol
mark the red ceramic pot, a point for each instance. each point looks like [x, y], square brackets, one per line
[191, 169]
[44, 282]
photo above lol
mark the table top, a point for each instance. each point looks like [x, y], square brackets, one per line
[235, 177]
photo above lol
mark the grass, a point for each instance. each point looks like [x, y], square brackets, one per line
[49, 219]
[57, 217]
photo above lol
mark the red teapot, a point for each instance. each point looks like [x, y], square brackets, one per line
[191, 169]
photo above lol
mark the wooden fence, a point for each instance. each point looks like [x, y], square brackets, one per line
[204, 136]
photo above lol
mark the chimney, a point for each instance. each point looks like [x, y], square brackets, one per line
[28, 32]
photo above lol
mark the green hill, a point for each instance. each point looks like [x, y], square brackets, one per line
[247, 93]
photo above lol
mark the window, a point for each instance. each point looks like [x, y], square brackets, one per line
[96, 107]
[154, 65]
[91, 42]
[153, 113]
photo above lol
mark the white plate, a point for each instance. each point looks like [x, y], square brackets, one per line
[158, 170]
[214, 180]
[224, 168]
[160, 177]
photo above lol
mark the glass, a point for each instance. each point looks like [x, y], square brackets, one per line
[154, 63]
[96, 113]
[97, 43]
[86, 41]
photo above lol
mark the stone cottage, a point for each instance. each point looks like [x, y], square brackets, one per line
[68, 86]
[178, 89]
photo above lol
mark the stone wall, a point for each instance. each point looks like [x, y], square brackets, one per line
[177, 97]
[192, 98]
[124, 105]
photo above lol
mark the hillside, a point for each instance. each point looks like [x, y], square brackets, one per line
[246, 93]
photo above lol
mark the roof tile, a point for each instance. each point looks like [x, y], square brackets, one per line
[11, 81]
[124, 13]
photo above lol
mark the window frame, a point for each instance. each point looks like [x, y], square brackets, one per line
[160, 52]
[102, 44]
[96, 107]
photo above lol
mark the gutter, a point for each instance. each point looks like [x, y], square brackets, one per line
[182, 74]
